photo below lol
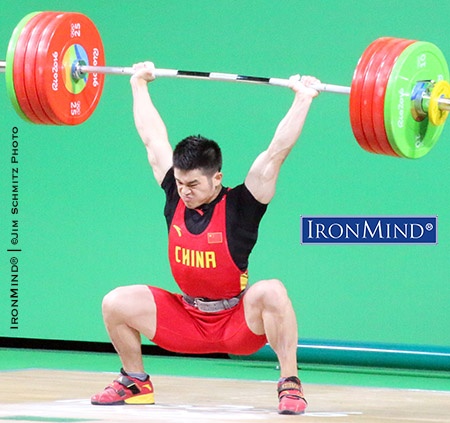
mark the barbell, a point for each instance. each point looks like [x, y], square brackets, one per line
[399, 95]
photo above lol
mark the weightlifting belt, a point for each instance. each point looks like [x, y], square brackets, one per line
[213, 306]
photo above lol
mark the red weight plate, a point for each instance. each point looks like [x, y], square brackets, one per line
[65, 100]
[379, 92]
[356, 91]
[18, 67]
[381, 58]
[367, 94]
[32, 89]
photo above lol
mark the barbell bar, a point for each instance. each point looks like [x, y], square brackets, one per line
[399, 96]
[80, 69]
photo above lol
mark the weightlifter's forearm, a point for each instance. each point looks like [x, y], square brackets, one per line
[290, 127]
[147, 119]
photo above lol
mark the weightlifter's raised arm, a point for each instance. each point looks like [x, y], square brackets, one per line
[149, 123]
[262, 177]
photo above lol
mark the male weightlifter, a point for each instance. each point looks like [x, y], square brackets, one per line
[212, 231]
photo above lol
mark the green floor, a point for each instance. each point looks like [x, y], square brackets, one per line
[17, 359]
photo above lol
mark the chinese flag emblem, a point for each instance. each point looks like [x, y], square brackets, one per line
[215, 238]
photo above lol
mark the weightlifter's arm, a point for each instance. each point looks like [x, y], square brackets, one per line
[262, 177]
[149, 123]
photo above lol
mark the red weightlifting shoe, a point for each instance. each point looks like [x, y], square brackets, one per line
[126, 390]
[290, 395]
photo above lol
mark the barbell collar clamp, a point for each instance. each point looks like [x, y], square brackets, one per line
[443, 102]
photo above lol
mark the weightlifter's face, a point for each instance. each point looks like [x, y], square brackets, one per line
[195, 188]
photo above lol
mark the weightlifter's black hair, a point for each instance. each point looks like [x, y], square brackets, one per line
[198, 152]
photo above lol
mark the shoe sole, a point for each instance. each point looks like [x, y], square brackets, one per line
[297, 413]
[108, 403]
[147, 399]
[122, 403]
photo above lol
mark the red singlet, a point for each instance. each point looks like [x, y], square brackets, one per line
[203, 267]
[201, 264]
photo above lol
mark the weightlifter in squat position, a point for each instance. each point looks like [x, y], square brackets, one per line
[212, 231]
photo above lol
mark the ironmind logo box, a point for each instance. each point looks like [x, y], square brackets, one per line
[368, 230]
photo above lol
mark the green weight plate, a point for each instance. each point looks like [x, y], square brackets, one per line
[418, 62]
[9, 71]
